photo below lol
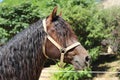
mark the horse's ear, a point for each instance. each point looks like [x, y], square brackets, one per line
[52, 16]
[60, 13]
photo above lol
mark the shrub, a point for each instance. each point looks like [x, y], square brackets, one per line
[13, 19]
[3, 36]
[68, 73]
[111, 19]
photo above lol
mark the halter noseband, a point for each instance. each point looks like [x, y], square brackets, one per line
[61, 49]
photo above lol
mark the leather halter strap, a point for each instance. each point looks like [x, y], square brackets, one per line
[61, 49]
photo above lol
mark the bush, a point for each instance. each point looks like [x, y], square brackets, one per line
[3, 36]
[15, 18]
[111, 19]
[68, 73]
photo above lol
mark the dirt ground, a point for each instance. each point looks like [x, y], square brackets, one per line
[110, 3]
[110, 64]
[47, 73]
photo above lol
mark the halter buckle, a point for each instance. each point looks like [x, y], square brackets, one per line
[62, 50]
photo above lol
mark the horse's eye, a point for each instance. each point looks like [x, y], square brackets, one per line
[51, 31]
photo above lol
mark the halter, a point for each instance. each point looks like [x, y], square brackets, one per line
[62, 50]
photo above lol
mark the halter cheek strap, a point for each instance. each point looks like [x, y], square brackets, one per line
[60, 48]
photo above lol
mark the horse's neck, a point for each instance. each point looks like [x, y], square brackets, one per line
[29, 65]
[23, 54]
[41, 65]
[42, 60]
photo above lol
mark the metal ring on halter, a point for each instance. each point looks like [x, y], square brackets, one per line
[62, 50]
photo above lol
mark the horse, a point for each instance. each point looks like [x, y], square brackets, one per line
[23, 56]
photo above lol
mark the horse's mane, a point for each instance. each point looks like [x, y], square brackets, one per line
[29, 35]
[23, 48]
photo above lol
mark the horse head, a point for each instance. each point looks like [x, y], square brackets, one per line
[62, 43]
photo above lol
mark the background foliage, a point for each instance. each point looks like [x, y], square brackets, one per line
[90, 23]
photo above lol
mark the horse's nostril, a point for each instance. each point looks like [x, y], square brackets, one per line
[87, 59]
[76, 61]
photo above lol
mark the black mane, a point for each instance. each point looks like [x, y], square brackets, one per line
[18, 57]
